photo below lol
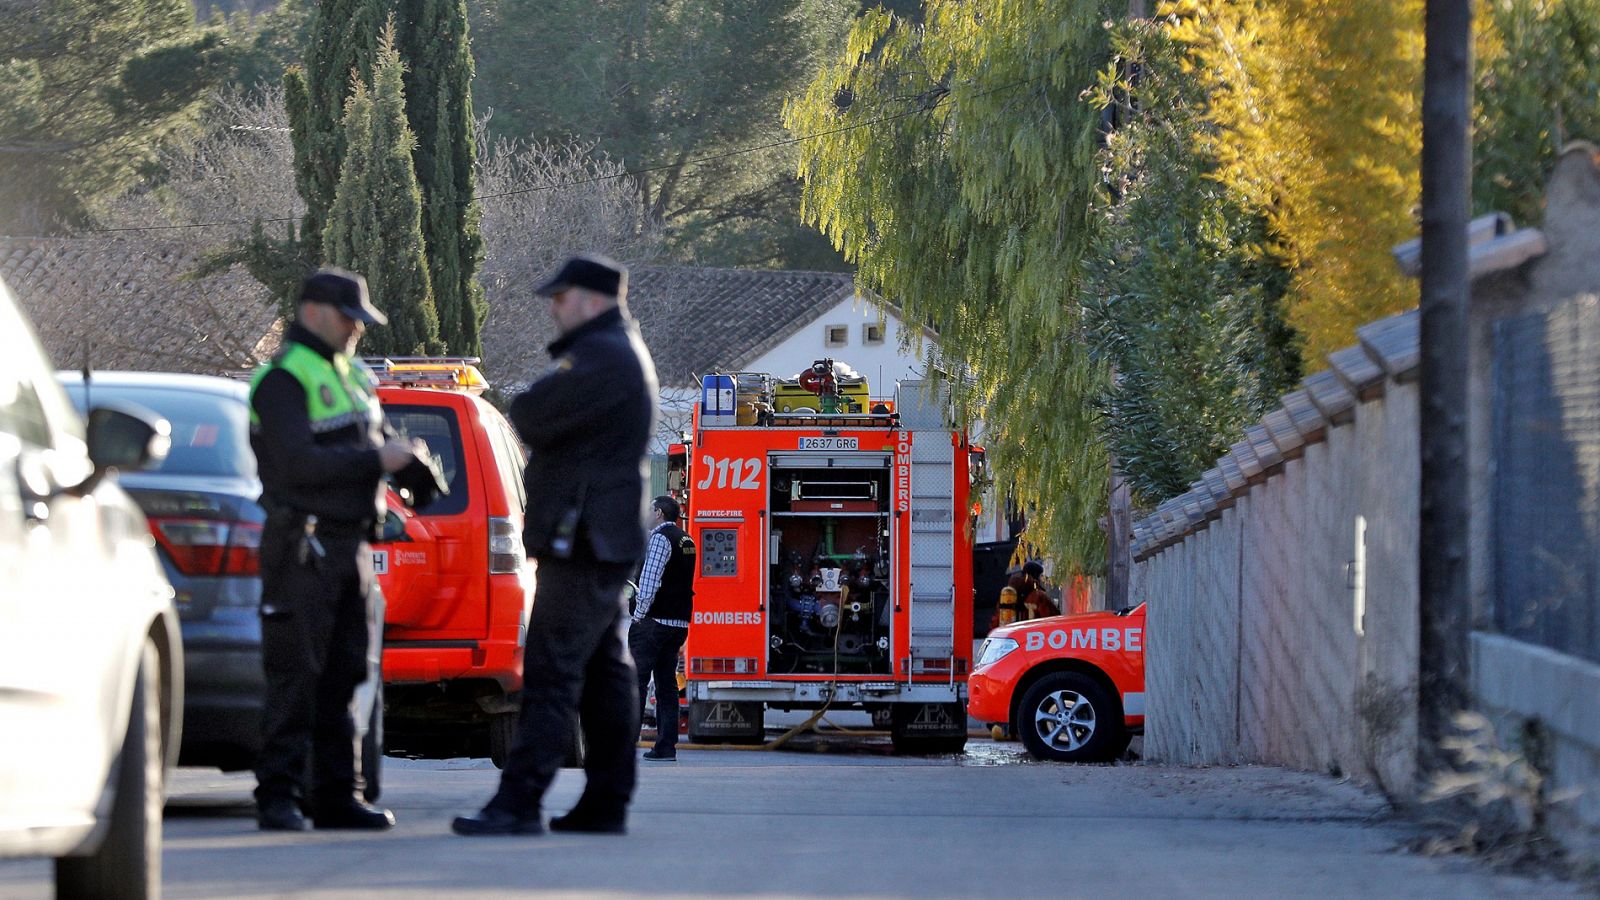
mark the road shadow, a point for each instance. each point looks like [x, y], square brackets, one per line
[211, 806]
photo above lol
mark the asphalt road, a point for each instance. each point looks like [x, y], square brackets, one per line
[854, 822]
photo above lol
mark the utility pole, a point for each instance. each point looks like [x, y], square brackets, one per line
[1445, 610]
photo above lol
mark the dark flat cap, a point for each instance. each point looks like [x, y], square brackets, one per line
[588, 270]
[344, 291]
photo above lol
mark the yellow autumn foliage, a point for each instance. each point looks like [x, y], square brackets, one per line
[1317, 105]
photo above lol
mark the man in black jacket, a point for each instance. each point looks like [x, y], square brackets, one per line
[587, 422]
[661, 620]
[322, 448]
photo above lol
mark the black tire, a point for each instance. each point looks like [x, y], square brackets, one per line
[502, 731]
[127, 865]
[1069, 717]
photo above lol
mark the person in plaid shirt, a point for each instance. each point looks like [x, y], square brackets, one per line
[661, 620]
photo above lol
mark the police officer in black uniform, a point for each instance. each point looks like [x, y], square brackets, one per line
[586, 422]
[661, 620]
[322, 448]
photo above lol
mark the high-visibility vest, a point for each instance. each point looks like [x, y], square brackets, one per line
[339, 392]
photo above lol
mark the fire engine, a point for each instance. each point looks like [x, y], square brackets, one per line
[835, 557]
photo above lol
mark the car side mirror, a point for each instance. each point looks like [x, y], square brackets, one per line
[126, 436]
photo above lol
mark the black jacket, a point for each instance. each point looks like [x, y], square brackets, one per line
[335, 475]
[674, 599]
[587, 423]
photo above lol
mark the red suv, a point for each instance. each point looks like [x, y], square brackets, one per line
[456, 579]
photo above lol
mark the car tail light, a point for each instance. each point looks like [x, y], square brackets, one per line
[506, 554]
[210, 546]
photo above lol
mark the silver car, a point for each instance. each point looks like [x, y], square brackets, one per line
[91, 665]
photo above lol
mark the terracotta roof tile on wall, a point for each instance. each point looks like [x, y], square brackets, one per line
[1326, 399]
[695, 320]
[131, 306]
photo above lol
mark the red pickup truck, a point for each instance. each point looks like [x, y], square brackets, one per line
[1070, 687]
[456, 579]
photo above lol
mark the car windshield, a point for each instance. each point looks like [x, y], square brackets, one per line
[438, 429]
[210, 432]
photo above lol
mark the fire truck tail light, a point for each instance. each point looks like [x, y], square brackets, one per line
[705, 665]
[938, 666]
[506, 554]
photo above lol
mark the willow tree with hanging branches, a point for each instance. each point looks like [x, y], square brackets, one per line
[952, 162]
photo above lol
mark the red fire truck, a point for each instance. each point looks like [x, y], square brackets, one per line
[835, 557]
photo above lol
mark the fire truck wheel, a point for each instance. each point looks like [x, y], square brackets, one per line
[1069, 717]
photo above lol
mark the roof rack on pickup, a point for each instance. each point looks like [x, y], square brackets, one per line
[451, 373]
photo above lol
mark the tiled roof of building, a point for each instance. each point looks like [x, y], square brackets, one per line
[695, 320]
[131, 305]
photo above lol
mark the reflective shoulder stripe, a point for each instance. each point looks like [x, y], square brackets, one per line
[354, 417]
[329, 403]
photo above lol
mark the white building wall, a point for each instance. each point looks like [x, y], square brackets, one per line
[882, 363]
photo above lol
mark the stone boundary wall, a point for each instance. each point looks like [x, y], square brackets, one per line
[1283, 586]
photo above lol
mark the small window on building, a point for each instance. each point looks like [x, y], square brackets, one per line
[835, 335]
[872, 333]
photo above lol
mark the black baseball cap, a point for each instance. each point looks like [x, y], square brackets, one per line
[592, 271]
[344, 291]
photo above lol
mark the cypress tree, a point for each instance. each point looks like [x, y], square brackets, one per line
[375, 223]
[344, 38]
[433, 40]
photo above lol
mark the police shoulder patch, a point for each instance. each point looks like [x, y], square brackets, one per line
[327, 395]
[686, 545]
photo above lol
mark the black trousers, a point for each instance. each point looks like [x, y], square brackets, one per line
[655, 652]
[576, 668]
[315, 623]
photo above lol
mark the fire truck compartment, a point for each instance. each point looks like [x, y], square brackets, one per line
[830, 557]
